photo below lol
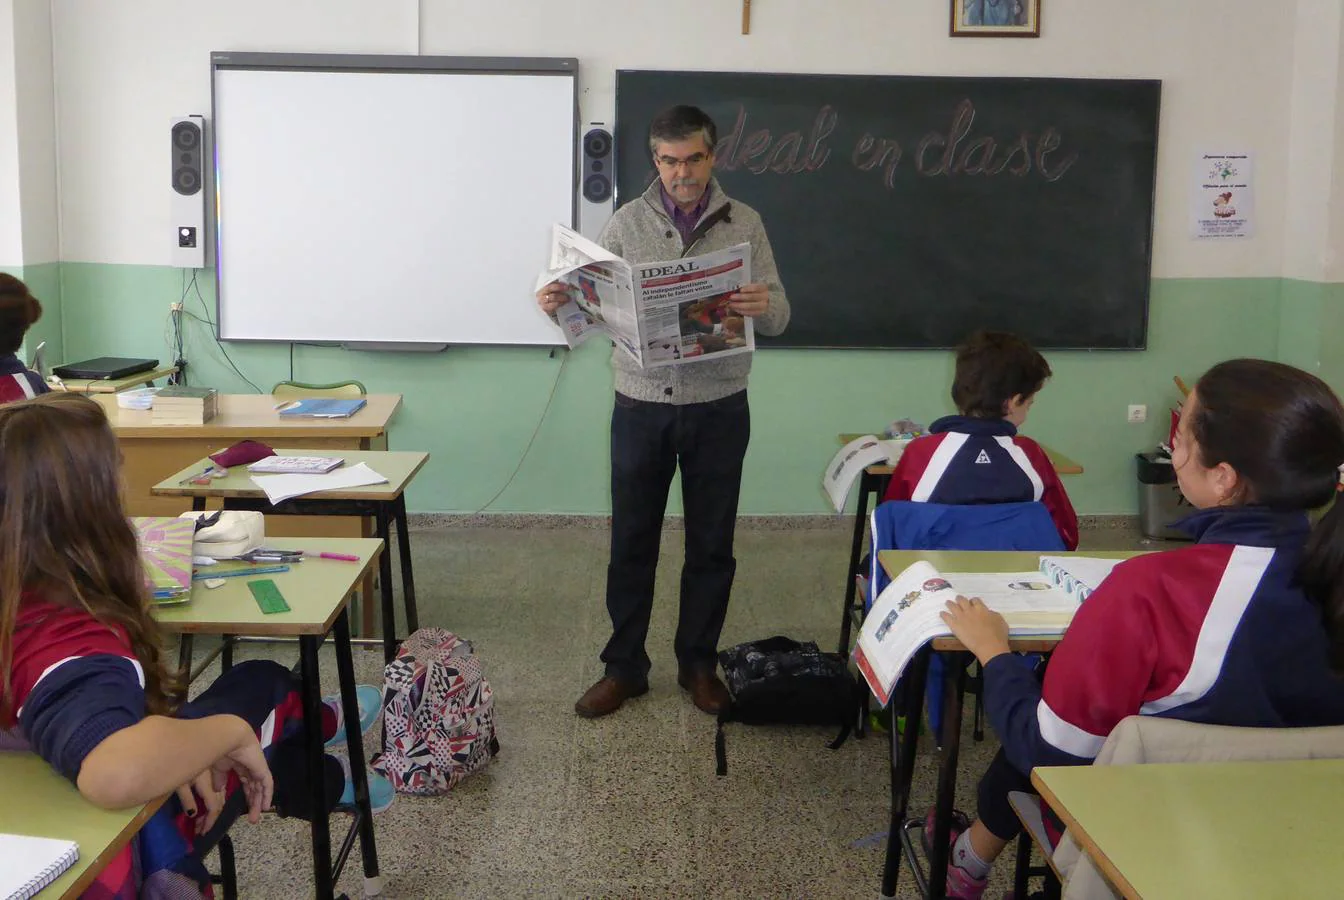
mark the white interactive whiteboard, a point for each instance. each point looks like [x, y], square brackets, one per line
[389, 198]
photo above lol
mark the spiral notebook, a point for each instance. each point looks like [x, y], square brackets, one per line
[28, 864]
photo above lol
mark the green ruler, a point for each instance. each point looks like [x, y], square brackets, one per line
[268, 596]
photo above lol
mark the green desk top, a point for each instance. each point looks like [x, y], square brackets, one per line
[397, 466]
[40, 803]
[1176, 832]
[1063, 465]
[316, 591]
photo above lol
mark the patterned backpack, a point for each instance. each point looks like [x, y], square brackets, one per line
[438, 714]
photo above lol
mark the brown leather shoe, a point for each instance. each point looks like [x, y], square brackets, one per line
[605, 697]
[707, 691]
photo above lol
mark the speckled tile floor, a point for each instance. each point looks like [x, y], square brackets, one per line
[627, 806]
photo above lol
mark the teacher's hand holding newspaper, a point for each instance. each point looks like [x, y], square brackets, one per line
[552, 297]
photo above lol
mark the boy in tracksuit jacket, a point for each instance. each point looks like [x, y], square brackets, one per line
[1244, 628]
[978, 457]
[18, 310]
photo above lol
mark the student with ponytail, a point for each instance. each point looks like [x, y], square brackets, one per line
[1244, 627]
[83, 680]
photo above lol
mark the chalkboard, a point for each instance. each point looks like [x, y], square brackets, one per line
[907, 211]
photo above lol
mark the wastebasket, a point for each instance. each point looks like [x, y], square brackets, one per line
[1160, 499]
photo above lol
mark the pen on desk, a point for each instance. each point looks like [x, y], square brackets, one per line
[344, 557]
[198, 476]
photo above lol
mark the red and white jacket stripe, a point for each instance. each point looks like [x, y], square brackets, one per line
[970, 462]
[1218, 632]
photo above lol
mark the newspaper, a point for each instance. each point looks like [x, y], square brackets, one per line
[660, 313]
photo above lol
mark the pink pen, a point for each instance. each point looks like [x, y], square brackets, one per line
[344, 557]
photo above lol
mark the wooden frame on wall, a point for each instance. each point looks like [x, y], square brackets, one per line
[995, 18]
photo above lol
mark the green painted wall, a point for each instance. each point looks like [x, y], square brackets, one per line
[44, 281]
[476, 409]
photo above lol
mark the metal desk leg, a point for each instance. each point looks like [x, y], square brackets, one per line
[385, 588]
[903, 748]
[312, 727]
[184, 642]
[953, 691]
[345, 668]
[407, 575]
[855, 554]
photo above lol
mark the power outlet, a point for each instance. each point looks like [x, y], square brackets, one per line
[1138, 413]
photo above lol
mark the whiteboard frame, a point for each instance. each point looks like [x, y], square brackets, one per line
[392, 63]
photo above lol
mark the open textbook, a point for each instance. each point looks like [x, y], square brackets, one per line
[661, 313]
[907, 614]
[852, 459]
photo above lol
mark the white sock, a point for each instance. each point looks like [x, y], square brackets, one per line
[964, 858]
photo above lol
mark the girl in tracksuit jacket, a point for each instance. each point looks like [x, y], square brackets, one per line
[83, 681]
[1245, 627]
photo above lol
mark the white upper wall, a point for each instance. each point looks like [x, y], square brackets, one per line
[1312, 146]
[11, 217]
[36, 115]
[125, 69]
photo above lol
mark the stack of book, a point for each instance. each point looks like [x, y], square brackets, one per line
[181, 405]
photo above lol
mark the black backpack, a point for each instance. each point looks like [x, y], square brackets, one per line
[780, 681]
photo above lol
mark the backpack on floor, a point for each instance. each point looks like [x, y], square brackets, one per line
[780, 681]
[438, 714]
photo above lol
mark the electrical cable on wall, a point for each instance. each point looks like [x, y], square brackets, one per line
[193, 285]
[533, 439]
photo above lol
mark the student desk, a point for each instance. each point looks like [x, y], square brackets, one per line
[317, 592]
[384, 502]
[874, 481]
[113, 385]
[933, 884]
[1235, 829]
[41, 803]
[151, 451]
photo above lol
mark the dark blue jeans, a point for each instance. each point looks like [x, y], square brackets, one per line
[648, 442]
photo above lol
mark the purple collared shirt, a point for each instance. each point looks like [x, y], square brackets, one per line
[685, 222]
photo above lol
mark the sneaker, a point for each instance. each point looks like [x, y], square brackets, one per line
[960, 822]
[370, 701]
[961, 886]
[381, 793]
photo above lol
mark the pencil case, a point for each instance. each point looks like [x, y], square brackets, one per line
[237, 532]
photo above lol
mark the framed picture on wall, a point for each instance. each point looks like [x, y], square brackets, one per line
[996, 18]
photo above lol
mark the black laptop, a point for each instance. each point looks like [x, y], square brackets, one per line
[105, 367]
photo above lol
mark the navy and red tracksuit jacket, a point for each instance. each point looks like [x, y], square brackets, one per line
[969, 462]
[1218, 632]
[75, 682]
[17, 381]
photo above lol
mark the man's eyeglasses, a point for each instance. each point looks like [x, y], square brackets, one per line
[671, 162]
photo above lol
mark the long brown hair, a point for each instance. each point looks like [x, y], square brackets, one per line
[1282, 430]
[63, 530]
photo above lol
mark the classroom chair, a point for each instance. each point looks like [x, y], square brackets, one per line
[906, 525]
[346, 389]
[1155, 739]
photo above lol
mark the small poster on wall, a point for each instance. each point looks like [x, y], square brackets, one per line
[1223, 199]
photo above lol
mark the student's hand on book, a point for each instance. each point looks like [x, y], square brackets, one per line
[203, 786]
[983, 631]
[750, 300]
[552, 297]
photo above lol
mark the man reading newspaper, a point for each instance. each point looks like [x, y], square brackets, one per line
[692, 415]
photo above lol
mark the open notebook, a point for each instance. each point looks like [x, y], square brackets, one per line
[907, 614]
[28, 864]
